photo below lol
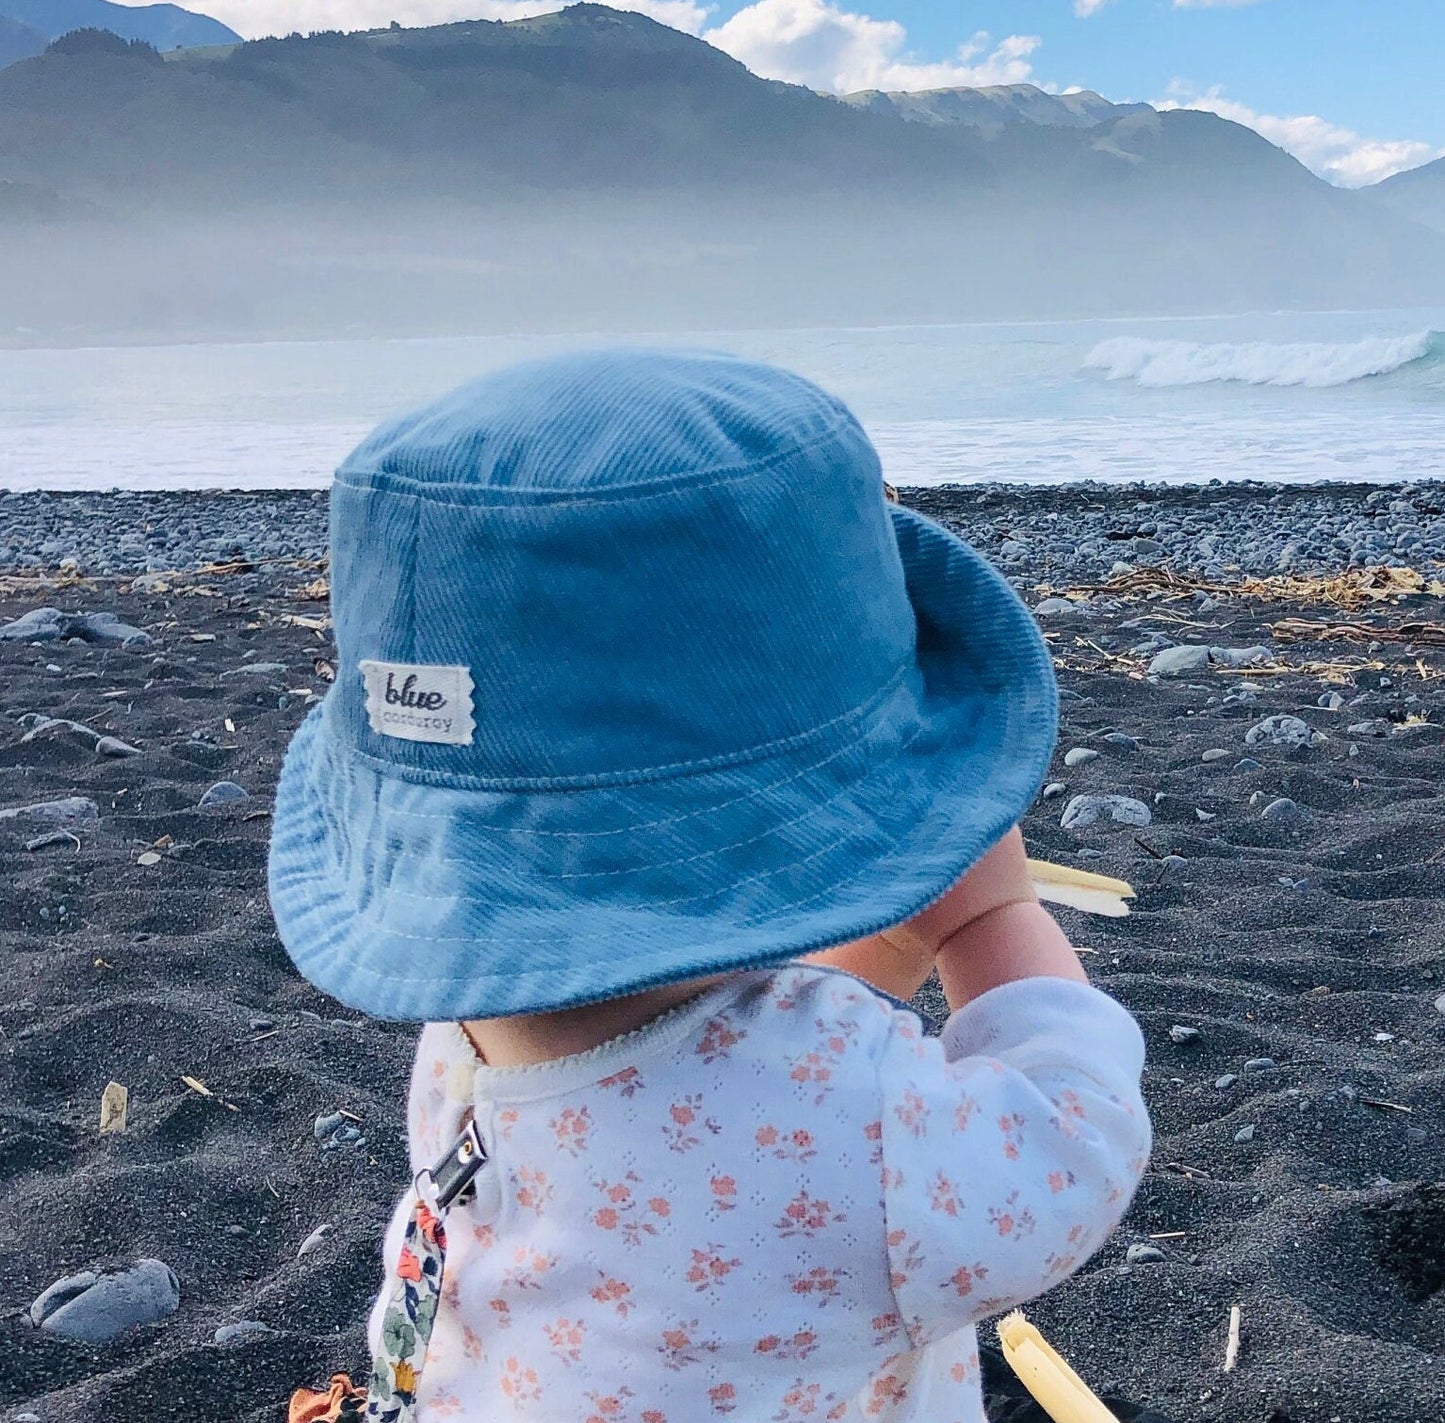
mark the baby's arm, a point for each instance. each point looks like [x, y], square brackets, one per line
[1012, 1146]
[987, 929]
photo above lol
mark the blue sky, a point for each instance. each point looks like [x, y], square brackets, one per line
[1352, 87]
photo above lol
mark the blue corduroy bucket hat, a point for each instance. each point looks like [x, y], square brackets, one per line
[639, 678]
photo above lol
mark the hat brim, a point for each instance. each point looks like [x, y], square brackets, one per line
[416, 901]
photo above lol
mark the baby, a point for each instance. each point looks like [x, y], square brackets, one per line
[664, 756]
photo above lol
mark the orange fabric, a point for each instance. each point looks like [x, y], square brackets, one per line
[309, 1405]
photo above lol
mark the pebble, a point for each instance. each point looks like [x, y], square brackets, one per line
[1129, 745]
[1331, 701]
[1079, 756]
[223, 793]
[242, 1332]
[1086, 810]
[1282, 731]
[1440, 1004]
[1180, 1034]
[1282, 809]
[97, 1307]
[1225, 1081]
[1141, 1254]
[312, 1241]
[256, 669]
[261, 1025]
[1204, 816]
[1248, 763]
[68, 808]
[1054, 790]
[1245, 1134]
[1215, 753]
[52, 625]
[328, 1125]
[1179, 661]
[1261, 1064]
[114, 746]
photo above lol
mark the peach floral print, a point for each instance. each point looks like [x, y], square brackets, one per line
[685, 1119]
[613, 1292]
[566, 1336]
[626, 1083]
[719, 1038]
[795, 1346]
[709, 1267]
[681, 1348]
[806, 1216]
[570, 1128]
[796, 1145]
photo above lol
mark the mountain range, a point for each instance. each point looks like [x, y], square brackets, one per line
[27, 26]
[1418, 194]
[597, 167]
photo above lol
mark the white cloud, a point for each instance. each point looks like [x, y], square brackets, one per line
[1345, 157]
[1084, 8]
[814, 43]
[253, 18]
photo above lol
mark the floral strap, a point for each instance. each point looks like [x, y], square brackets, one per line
[410, 1315]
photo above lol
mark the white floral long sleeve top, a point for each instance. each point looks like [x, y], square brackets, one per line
[780, 1202]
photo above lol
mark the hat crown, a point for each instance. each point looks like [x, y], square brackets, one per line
[597, 420]
[612, 565]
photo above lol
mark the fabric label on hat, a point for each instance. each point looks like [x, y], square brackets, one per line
[419, 702]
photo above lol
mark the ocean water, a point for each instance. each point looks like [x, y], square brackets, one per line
[1290, 398]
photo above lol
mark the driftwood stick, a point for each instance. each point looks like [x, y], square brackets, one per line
[1231, 1347]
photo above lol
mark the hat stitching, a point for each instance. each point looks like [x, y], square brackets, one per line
[448, 780]
[807, 815]
[712, 808]
[652, 904]
[680, 481]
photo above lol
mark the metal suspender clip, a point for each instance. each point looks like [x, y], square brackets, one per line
[452, 1177]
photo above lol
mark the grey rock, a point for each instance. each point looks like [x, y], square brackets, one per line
[114, 746]
[1120, 569]
[96, 1307]
[1225, 1081]
[256, 669]
[1120, 741]
[1330, 701]
[1063, 608]
[1180, 1034]
[68, 808]
[1248, 763]
[51, 837]
[1245, 1134]
[1261, 1064]
[328, 1125]
[223, 793]
[242, 1332]
[1141, 1254]
[52, 625]
[1204, 816]
[1079, 756]
[261, 1025]
[1179, 661]
[312, 1241]
[1215, 753]
[1440, 1004]
[1282, 731]
[1054, 790]
[1378, 726]
[1086, 810]
[1282, 809]
[1240, 656]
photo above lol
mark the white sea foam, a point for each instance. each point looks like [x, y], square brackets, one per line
[1318, 364]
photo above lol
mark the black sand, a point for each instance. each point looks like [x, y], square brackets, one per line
[1325, 1226]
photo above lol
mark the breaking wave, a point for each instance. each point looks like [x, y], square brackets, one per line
[1318, 364]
